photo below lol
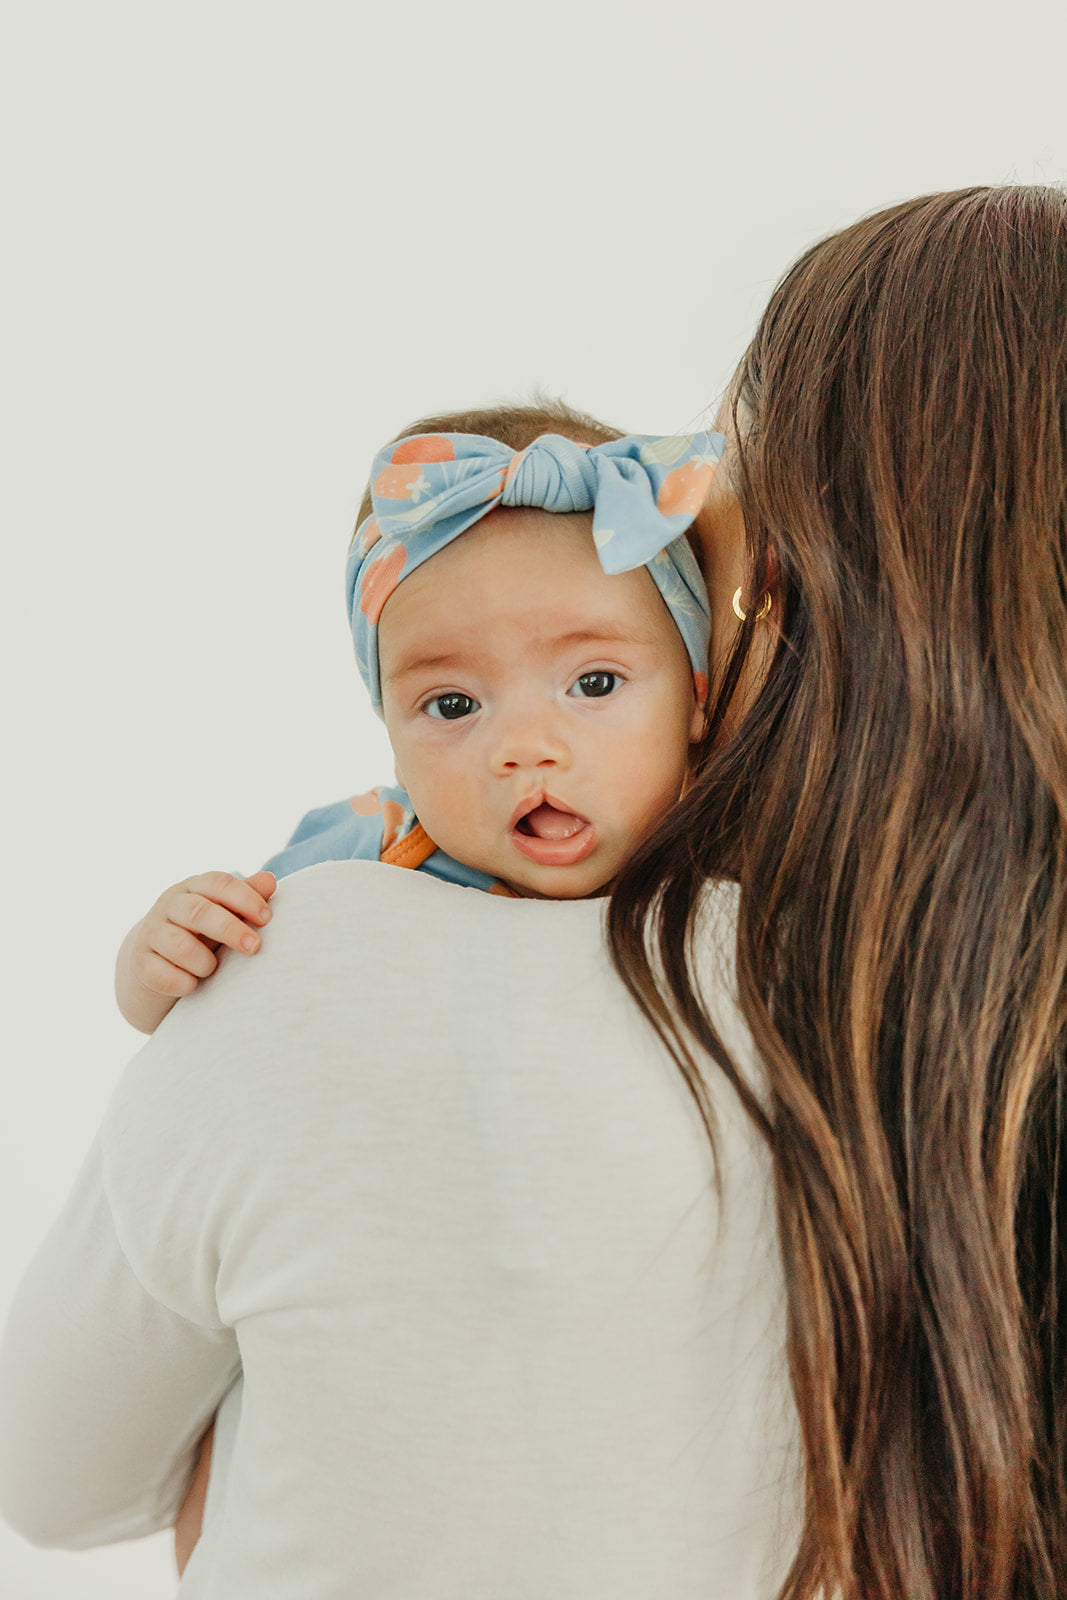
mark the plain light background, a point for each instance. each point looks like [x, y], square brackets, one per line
[243, 245]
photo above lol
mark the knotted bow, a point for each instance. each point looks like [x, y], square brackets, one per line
[643, 491]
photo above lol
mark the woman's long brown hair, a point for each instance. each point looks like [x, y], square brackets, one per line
[894, 806]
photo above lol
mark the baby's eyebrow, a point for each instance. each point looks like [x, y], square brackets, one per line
[607, 633]
[444, 661]
[435, 663]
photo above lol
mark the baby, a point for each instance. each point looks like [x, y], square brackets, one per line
[532, 626]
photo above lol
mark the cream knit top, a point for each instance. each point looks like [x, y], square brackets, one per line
[418, 1201]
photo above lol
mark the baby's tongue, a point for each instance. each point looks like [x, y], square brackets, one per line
[547, 823]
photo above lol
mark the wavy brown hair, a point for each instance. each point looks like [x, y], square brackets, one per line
[893, 804]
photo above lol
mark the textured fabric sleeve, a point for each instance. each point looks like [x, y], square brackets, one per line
[330, 833]
[358, 829]
[104, 1392]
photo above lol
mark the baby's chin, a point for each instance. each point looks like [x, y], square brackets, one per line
[524, 892]
[591, 877]
[561, 883]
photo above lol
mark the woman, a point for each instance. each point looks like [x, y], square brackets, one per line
[894, 805]
[500, 1332]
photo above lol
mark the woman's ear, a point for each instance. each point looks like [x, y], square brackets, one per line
[772, 576]
[700, 707]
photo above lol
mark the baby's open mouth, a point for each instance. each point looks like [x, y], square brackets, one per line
[546, 821]
[552, 836]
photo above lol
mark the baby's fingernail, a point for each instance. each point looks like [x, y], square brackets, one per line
[266, 914]
[249, 942]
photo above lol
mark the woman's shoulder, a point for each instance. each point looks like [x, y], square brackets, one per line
[337, 886]
[384, 1008]
[393, 941]
[365, 972]
[375, 908]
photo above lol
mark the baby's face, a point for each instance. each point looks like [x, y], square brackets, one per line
[540, 711]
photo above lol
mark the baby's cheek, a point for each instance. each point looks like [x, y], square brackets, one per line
[656, 782]
[447, 805]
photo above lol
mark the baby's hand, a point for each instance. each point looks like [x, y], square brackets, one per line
[173, 948]
[176, 944]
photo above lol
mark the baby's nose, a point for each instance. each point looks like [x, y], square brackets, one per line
[527, 745]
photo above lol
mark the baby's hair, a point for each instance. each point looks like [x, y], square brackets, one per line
[514, 425]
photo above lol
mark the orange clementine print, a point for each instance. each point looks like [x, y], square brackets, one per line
[366, 805]
[382, 578]
[393, 816]
[682, 491]
[371, 534]
[432, 447]
[396, 483]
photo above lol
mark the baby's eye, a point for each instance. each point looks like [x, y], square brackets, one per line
[450, 707]
[594, 684]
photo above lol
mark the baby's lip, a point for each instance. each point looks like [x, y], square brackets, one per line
[535, 802]
[567, 836]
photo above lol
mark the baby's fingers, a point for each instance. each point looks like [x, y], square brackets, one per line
[163, 977]
[264, 883]
[179, 948]
[245, 897]
[199, 919]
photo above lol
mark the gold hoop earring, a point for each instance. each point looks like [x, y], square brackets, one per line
[757, 616]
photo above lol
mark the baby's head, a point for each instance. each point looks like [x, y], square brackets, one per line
[541, 672]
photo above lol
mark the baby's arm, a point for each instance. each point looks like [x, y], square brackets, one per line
[173, 947]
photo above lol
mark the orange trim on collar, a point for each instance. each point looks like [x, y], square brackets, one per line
[416, 847]
[410, 851]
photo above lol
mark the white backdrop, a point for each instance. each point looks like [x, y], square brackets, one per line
[246, 243]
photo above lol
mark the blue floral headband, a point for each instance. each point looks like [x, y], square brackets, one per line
[643, 492]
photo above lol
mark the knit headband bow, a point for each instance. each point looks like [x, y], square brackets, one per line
[643, 492]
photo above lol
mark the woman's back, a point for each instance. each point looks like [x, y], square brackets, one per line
[499, 1335]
